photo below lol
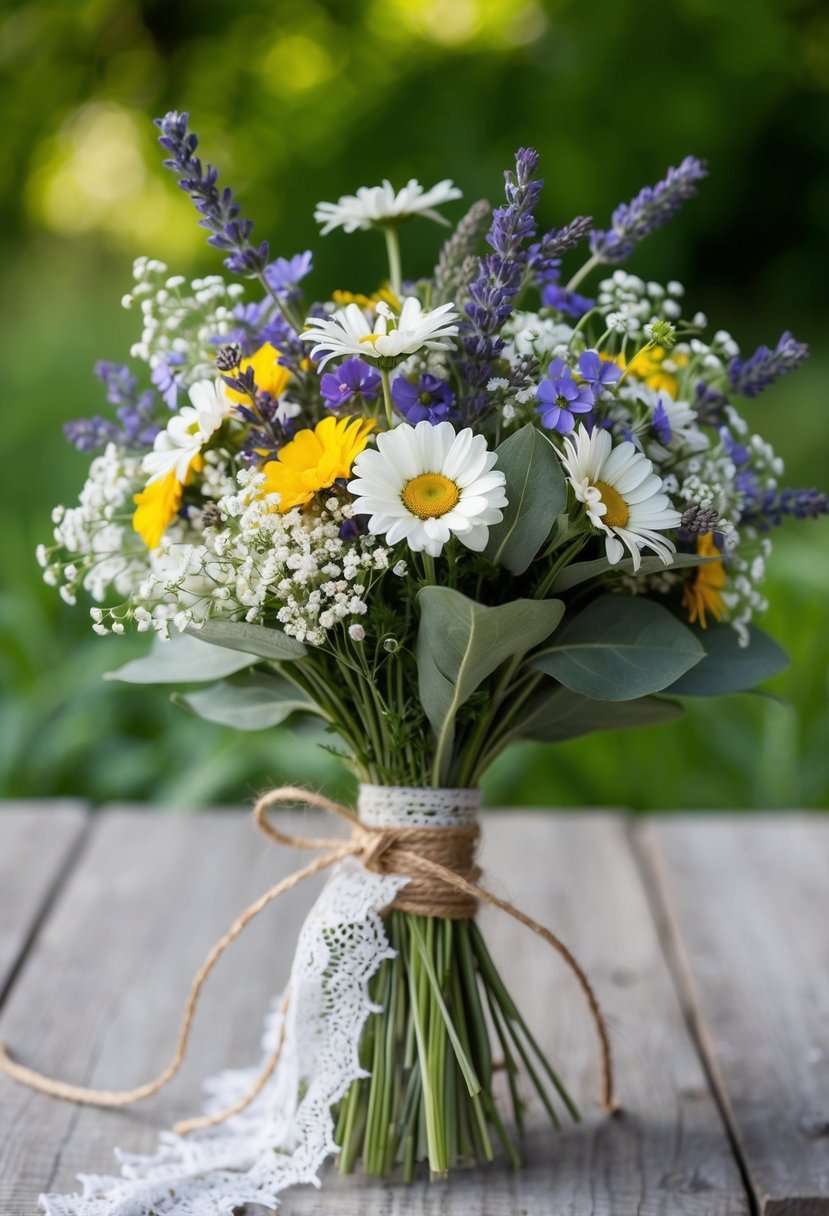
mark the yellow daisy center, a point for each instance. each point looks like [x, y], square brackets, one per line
[430, 495]
[617, 513]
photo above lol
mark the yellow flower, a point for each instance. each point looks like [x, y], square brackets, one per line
[385, 295]
[703, 587]
[158, 504]
[647, 367]
[315, 459]
[270, 376]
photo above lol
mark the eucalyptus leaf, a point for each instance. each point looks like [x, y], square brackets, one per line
[181, 660]
[728, 666]
[582, 572]
[249, 701]
[558, 714]
[620, 648]
[536, 492]
[460, 643]
[264, 642]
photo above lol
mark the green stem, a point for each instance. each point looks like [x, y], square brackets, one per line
[593, 261]
[393, 250]
[384, 377]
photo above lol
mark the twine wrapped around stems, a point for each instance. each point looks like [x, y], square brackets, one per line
[443, 882]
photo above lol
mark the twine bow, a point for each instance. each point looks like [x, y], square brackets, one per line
[443, 881]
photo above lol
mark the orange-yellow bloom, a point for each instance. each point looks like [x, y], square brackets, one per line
[315, 459]
[385, 294]
[703, 588]
[158, 504]
[270, 376]
[647, 367]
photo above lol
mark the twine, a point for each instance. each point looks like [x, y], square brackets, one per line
[443, 882]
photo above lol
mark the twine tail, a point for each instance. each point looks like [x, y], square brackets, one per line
[55, 1088]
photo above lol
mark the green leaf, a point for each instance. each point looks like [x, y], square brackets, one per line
[620, 648]
[250, 701]
[728, 666]
[181, 660]
[460, 643]
[536, 493]
[552, 716]
[582, 572]
[265, 643]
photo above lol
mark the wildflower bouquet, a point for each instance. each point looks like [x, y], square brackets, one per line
[469, 508]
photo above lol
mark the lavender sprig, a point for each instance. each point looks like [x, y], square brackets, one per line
[652, 207]
[499, 280]
[135, 413]
[219, 211]
[544, 256]
[770, 508]
[268, 431]
[749, 377]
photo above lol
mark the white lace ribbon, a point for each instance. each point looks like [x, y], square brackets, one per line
[287, 1132]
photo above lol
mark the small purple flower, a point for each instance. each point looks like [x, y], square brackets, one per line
[163, 377]
[661, 424]
[429, 399]
[561, 398]
[568, 302]
[351, 379]
[283, 275]
[598, 372]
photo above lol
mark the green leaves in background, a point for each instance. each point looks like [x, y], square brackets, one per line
[264, 642]
[556, 713]
[618, 649]
[460, 643]
[248, 701]
[536, 492]
[181, 660]
[728, 666]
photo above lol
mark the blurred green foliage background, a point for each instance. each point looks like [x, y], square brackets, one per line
[298, 100]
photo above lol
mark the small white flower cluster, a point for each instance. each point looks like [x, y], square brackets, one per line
[743, 600]
[95, 547]
[180, 326]
[256, 564]
[529, 334]
[630, 305]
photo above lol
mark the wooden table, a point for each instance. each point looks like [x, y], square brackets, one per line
[707, 938]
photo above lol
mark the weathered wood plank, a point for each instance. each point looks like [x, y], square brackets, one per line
[748, 902]
[169, 885]
[37, 842]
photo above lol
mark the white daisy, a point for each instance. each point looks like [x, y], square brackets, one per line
[374, 206]
[392, 337]
[624, 497]
[425, 483]
[188, 431]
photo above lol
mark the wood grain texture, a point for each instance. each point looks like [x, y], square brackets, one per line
[37, 842]
[748, 903]
[101, 995]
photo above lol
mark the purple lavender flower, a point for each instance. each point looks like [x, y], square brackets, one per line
[351, 379]
[770, 508]
[544, 255]
[561, 398]
[499, 280]
[135, 413]
[219, 211]
[429, 399]
[750, 376]
[709, 403]
[568, 302]
[89, 434]
[284, 275]
[661, 424]
[598, 372]
[651, 209]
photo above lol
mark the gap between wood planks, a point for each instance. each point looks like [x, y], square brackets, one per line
[642, 851]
